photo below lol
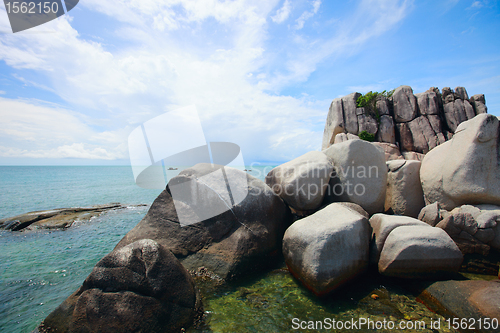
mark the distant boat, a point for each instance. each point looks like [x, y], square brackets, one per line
[247, 170]
[172, 168]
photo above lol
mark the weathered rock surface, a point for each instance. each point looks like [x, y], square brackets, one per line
[431, 214]
[419, 252]
[382, 225]
[412, 156]
[428, 103]
[361, 175]
[328, 248]
[404, 195]
[245, 237]
[465, 299]
[464, 170]
[302, 182]
[391, 151]
[141, 287]
[478, 102]
[55, 218]
[473, 228]
[341, 137]
[386, 132]
[405, 104]
[415, 123]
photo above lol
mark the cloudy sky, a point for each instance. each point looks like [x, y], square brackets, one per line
[261, 73]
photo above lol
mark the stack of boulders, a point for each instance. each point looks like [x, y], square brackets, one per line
[332, 214]
[405, 125]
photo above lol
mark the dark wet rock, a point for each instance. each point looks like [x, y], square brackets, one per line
[242, 238]
[141, 287]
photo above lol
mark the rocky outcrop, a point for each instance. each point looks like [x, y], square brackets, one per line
[464, 170]
[141, 287]
[473, 228]
[360, 175]
[61, 218]
[328, 248]
[414, 122]
[404, 195]
[302, 182]
[242, 238]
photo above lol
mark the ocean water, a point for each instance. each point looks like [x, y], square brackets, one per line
[40, 269]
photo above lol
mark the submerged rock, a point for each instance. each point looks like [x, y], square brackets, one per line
[328, 248]
[141, 287]
[55, 218]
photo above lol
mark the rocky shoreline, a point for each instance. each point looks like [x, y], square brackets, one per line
[61, 218]
[408, 210]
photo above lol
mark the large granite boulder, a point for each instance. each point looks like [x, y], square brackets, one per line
[382, 225]
[342, 118]
[302, 182]
[419, 252]
[431, 214]
[243, 237]
[464, 170]
[404, 195]
[386, 132]
[479, 104]
[335, 123]
[360, 174]
[428, 102]
[328, 248]
[405, 104]
[141, 287]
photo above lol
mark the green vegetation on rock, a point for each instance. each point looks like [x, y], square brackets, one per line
[367, 136]
[369, 102]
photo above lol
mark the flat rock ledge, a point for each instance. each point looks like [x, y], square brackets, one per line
[60, 218]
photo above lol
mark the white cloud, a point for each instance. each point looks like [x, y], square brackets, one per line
[476, 4]
[172, 57]
[2, 92]
[307, 15]
[33, 129]
[283, 13]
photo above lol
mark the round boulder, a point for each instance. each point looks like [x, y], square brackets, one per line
[328, 248]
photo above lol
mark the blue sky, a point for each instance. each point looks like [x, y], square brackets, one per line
[261, 73]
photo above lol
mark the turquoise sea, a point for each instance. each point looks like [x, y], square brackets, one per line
[40, 269]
